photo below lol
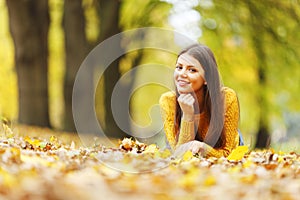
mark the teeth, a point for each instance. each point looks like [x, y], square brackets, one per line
[180, 81]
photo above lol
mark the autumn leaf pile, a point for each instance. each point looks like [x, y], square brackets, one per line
[47, 168]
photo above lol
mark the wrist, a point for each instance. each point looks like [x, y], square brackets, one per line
[188, 117]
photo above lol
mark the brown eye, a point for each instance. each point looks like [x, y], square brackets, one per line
[178, 67]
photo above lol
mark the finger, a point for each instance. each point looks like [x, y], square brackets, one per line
[186, 99]
[193, 148]
[196, 147]
[186, 96]
[182, 97]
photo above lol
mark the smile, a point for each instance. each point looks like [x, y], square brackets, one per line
[182, 82]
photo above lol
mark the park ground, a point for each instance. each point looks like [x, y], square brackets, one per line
[39, 163]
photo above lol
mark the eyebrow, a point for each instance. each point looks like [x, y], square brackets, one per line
[177, 63]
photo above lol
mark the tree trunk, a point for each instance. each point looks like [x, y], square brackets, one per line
[76, 48]
[29, 24]
[263, 136]
[109, 26]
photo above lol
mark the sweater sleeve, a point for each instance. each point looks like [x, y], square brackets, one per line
[167, 104]
[231, 121]
[186, 133]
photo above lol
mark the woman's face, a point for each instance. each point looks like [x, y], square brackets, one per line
[188, 74]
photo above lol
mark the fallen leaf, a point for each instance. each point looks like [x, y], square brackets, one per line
[238, 153]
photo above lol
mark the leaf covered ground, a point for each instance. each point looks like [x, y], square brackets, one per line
[56, 166]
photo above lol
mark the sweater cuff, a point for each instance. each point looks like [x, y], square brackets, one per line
[187, 132]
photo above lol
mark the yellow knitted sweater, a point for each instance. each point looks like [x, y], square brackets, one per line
[168, 104]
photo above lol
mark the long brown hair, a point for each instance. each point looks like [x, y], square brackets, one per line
[213, 96]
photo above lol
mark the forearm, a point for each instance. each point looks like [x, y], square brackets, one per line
[186, 133]
[231, 142]
[212, 152]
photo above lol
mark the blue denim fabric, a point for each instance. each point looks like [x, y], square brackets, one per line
[241, 142]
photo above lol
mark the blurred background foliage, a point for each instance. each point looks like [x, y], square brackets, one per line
[256, 43]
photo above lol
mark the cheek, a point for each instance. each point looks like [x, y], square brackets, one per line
[175, 75]
[198, 82]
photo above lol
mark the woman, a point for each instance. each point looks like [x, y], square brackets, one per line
[202, 114]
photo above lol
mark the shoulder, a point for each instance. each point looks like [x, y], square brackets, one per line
[167, 99]
[229, 95]
[168, 96]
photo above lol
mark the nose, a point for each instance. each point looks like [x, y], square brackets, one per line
[183, 73]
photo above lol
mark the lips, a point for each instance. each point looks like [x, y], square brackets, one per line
[183, 83]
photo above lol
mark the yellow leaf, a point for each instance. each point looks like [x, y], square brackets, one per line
[36, 142]
[234, 169]
[8, 180]
[249, 179]
[188, 182]
[27, 139]
[247, 164]
[15, 154]
[280, 159]
[35, 160]
[15, 151]
[187, 156]
[238, 153]
[165, 154]
[209, 181]
[53, 139]
[152, 148]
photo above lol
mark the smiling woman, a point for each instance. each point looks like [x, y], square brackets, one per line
[201, 115]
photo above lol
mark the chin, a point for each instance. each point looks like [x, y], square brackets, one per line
[184, 91]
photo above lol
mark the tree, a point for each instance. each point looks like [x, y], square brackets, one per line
[144, 14]
[29, 24]
[256, 25]
[76, 48]
[109, 12]
[263, 26]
